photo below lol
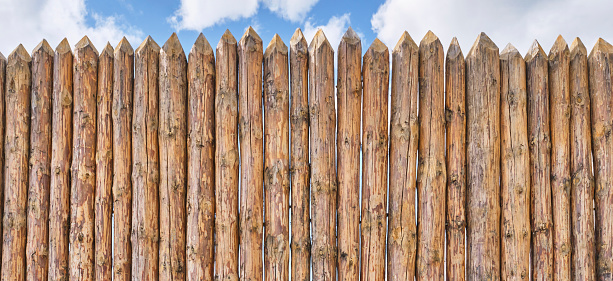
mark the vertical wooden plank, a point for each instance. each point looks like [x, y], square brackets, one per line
[601, 86]
[104, 167]
[300, 169]
[172, 137]
[123, 90]
[61, 154]
[540, 155]
[402, 230]
[16, 142]
[374, 161]
[276, 161]
[515, 174]
[349, 102]
[83, 169]
[483, 160]
[37, 262]
[2, 131]
[455, 115]
[583, 262]
[226, 159]
[201, 161]
[146, 163]
[251, 155]
[322, 117]
[431, 171]
[560, 157]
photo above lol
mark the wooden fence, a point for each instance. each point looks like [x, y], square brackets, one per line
[144, 165]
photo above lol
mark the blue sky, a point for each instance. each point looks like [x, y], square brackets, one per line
[518, 22]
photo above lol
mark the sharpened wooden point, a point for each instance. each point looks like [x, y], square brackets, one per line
[63, 47]
[350, 36]
[276, 45]
[377, 47]
[201, 45]
[44, 46]
[454, 49]
[577, 47]
[297, 38]
[429, 38]
[534, 51]
[405, 40]
[483, 41]
[148, 43]
[108, 50]
[250, 36]
[319, 40]
[508, 52]
[19, 54]
[124, 47]
[84, 43]
[173, 45]
[601, 46]
[226, 38]
[559, 46]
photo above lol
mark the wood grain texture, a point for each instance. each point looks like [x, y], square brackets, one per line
[349, 102]
[172, 137]
[374, 161]
[226, 159]
[404, 135]
[583, 262]
[515, 174]
[145, 163]
[17, 146]
[2, 131]
[300, 168]
[483, 160]
[61, 154]
[37, 262]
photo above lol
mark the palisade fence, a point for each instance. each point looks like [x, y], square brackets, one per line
[145, 165]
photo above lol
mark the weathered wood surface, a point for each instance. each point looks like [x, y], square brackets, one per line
[172, 137]
[455, 117]
[583, 262]
[17, 146]
[322, 117]
[201, 161]
[37, 262]
[515, 175]
[374, 161]
[145, 163]
[2, 131]
[226, 159]
[300, 169]
[483, 160]
[349, 103]
[404, 135]
[431, 170]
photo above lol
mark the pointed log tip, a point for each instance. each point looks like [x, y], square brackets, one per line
[148, 43]
[377, 47]
[173, 44]
[124, 46]
[577, 47]
[559, 46]
[319, 40]
[297, 38]
[108, 50]
[202, 45]
[601, 46]
[250, 36]
[454, 49]
[63, 47]
[535, 51]
[226, 38]
[509, 52]
[43, 46]
[84, 43]
[405, 40]
[276, 45]
[483, 41]
[429, 38]
[350, 37]
[19, 53]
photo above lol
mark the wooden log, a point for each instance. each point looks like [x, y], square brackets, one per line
[226, 159]
[322, 117]
[104, 166]
[300, 169]
[251, 155]
[515, 175]
[83, 170]
[600, 83]
[61, 153]
[145, 163]
[2, 131]
[559, 57]
[583, 262]
[455, 121]
[172, 136]
[483, 160]
[201, 161]
[404, 135]
[123, 91]
[374, 161]
[17, 146]
[37, 262]
[431, 171]
[276, 161]
[349, 102]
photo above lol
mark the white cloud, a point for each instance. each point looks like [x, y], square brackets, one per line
[200, 14]
[29, 21]
[334, 30]
[518, 22]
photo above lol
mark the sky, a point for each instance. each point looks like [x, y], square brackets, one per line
[519, 22]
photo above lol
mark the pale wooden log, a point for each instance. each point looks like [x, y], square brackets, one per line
[2, 131]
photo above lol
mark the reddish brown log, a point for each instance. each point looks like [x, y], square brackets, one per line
[61, 153]
[300, 169]
[276, 161]
[226, 159]
[172, 137]
[349, 102]
[402, 230]
[145, 163]
[37, 262]
[17, 145]
[201, 160]
[583, 262]
[83, 170]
